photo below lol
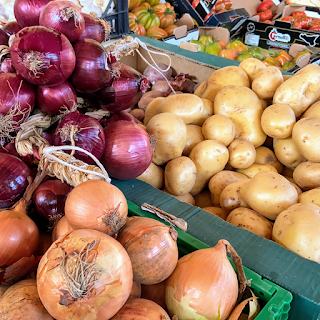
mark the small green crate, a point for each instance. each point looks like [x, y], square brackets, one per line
[277, 300]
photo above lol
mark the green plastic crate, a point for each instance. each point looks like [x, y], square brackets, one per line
[277, 300]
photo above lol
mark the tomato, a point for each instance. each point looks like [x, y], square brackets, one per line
[265, 5]
[152, 2]
[269, 61]
[244, 56]
[314, 21]
[315, 27]
[156, 33]
[268, 21]
[265, 15]
[170, 29]
[227, 4]
[288, 65]
[213, 48]
[237, 46]
[205, 39]
[134, 4]
[202, 47]
[287, 19]
[222, 5]
[223, 43]
[298, 14]
[136, 26]
[282, 57]
[302, 23]
[166, 14]
[228, 53]
[147, 17]
[219, 5]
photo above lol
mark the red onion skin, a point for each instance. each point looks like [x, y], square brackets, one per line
[122, 115]
[27, 12]
[127, 152]
[91, 72]
[56, 99]
[89, 135]
[13, 179]
[6, 66]
[4, 38]
[93, 29]
[10, 149]
[52, 17]
[11, 28]
[49, 199]
[11, 93]
[55, 50]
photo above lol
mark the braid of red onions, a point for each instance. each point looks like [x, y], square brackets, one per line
[96, 29]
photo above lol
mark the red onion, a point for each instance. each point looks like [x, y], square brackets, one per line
[10, 149]
[6, 66]
[91, 71]
[11, 28]
[122, 115]
[124, 91]
[13, 179]
[84, 131]
[49, 199]
[4, 38]
[94, 28]
[42, 56]
[127, 152]
[63, 16]
[27, 12]
[56, 99]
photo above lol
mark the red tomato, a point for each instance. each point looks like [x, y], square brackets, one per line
[287, 19]
[315, 27]
[298, 14]
[265, 15]
[265, 5]
[302, 23]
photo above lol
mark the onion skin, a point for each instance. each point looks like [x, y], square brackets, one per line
[135, 290]
[91, 71]
[97, 205]
[109, 292]
[127, 152]
[11, 28]
[4, 38]
[56, 99]
[141, 309]
[13, 179]
[93, 29]
[61, 229]
[154, 75]
[53, 16]
[191, 295]
[122, 115]
[155, 292]
[152, 248]
[55, 50]
[21, 302]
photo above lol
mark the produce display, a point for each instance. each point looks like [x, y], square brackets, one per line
[300, 20]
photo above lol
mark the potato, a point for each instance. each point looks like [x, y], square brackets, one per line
[287, 76]
[221, 180]
[151, 109]
[203, 199]
[310, 196]
[154, 175]
[220, 78]
[242, 153]
[305, 135]
[232, 196]
[252, 221]
[188, 198]
[287, 172]
[243, 107]
[306, 175]
[148, 97]
[313, 111]
[187, 106]
[207, 112]
[194, 136]
[277, 121]
[266, 156]
[169, 134]
[138, 114]
[219, 212]
[287, 152]
[264, 103]
[219, 127]
[210, 157]
[255, 168]
[252, 66]
[269, 193]
[180, 175]
[301, 90]
[266, 82]
[297, 229]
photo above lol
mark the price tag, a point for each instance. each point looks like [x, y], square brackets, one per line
[252, 39]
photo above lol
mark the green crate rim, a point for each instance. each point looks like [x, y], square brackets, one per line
[277, 299]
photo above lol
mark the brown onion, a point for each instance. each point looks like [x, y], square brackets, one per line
[21, 302]
[204, 284]
[61, 228]
[84, 275]
[135, 290]
[155, 292]
[141, 309]
[97, 205]
[152, 248]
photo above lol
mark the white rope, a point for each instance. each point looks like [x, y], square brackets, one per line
[48, 154]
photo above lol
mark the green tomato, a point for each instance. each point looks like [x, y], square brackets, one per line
[213, 49]
[202, 47]
[244, 56]
[205, 39]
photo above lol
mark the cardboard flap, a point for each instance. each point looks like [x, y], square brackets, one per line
[217, 33]
[180, 32]
[303, 60]
[186, 20]
[289, 10]
[309, 3]
[190, 46]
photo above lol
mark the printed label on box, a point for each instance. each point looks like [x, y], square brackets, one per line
[275, 35]
[278, 45]
[252, 39]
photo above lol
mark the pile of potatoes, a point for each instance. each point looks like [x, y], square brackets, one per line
[245, 147]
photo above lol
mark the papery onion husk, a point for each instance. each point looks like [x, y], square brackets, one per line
[82, 131]
[21, 301]
[54, 100]
[64, 17]
[13, 179]
[128, 151]
[203, 286]
[97, 205]
[42, 56]
[49, 200]
[61, 228]
[11, 28]
[141, 309]
[91, 71]
[27, 12]
[152, 248]
[4, 38]
[94, 28]
[99, 291]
